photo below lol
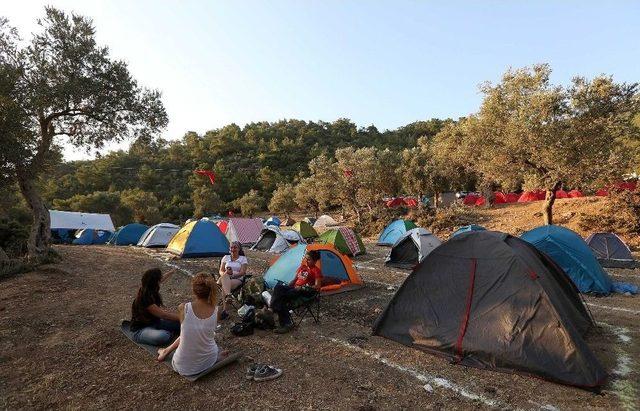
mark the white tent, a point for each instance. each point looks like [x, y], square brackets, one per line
[158, 235]
[273, 240]
[71, 220]
[411, 248]
[325, 221]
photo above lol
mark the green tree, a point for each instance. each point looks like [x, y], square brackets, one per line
[143, 205]
[66, 86]
[250, 203]
[283, 199]
[543, 135]
[205, 201]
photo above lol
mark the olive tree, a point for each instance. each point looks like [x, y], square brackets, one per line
[544, 136]
[283, 199]
[62, 87]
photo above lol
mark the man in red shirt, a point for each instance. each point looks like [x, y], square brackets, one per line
[307, 282]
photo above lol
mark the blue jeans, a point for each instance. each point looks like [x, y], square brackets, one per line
[161, 332]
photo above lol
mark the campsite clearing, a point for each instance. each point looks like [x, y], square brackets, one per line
[61, 347]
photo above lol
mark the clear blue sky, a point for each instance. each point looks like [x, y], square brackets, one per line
[383, 63]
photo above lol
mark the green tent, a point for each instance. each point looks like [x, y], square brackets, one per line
[345, 240]
[305, 229]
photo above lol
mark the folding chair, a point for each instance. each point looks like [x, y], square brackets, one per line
[235, 301]
[302, 306]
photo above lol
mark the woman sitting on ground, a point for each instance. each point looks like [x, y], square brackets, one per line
[233, 268]
[152, 323]
[307, 283]
[196, 348]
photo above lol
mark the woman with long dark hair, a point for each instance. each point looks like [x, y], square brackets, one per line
[151, 322]
[233, 268]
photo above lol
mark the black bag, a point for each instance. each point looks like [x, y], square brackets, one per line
[250, 316]
[242, 329]
[264, 320]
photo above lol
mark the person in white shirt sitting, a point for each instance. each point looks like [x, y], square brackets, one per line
[196, 348]
[233, 268]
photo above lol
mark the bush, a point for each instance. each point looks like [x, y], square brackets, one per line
[373, 222]
[621, 214]
[13, 236]
[444, 220]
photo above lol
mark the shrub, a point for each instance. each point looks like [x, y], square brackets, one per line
[621, 214]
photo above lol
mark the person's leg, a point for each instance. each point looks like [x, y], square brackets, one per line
[228, 284]
[283, 294]
[163, 352]
[168, 325]
[152, 336]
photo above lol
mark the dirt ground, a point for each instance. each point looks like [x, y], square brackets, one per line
[61, 347]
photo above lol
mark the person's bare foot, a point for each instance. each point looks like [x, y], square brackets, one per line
[222, 355]
[162, 354]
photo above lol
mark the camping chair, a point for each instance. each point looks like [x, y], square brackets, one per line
[303, 305]
[234, 297]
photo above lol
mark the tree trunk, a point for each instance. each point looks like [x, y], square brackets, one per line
[3, 255]
[40, 235]
[549, 199]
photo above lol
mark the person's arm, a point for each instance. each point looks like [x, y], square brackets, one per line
[160, 312]
[223, 266]
[167, 275]
[318, 283]
[242, 272]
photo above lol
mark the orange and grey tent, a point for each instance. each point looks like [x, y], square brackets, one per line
[338, 273]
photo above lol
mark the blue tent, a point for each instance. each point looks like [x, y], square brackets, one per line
[573, 255]
[201, 238]
[332, 265]
[394, 231]
[128, 235]
[89, 236]
[471, 227]
[273, 220]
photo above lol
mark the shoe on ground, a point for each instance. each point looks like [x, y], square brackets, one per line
[251, 370]
[283, 329]
[266, 373]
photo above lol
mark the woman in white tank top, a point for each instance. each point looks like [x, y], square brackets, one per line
[196, 348]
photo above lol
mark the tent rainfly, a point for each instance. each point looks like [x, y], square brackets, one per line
[244, 230]
[610, 250]
[411, 248]
[158, 235]
[274, 240]
[77, 221]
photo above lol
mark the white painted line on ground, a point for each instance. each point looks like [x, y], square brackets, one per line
[167, 263]
[607, 307]
[623, 387]
[421, 376]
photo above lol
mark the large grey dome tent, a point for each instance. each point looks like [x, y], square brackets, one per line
[411, 248]
[489, 300]
[610, 250]
[158, 235]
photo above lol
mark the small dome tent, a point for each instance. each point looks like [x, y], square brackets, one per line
[467, 228]
[288, 222]
[128, 235]
[200, 238]
[392, 232]
[325, 221]
[305, 229]
[411, 248]
[345, 240]
[338, 274]
[244, 230]
[573, 255]
[273, 240]
[274, 221]
[89, 236]
[158, 235]
[610, 250]
[492, 301]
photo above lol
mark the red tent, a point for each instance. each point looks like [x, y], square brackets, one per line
[480, 201]
[603, 192]
[528, 196]
[410, 202]
[394, 202]
[470, 199]
[561, 194]
[541, 194]
[575, 194]
[499, 198]
[222, 225]
[511, 197]
[626, 185]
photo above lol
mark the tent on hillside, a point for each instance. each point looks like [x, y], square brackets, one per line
[223, 225]
[88, 236]
[470, 199]
[76, 221]
[288, 222]
[573, 255]
[394, 231]
[489, 300]
[411, 248]
[466, 228]
[410, 202]
[511, 197]
[575, 194]
[338, 274]
[158, 235]
[528, 196]
[561, 194]
[274, 221]
[345, 240]
[610, 250]
[244, 230]
[394, 202]
[200, 238]
[325, 221]
[499, 197]
[128, 235]
[305, 229]
[310, 220]
[274, 240]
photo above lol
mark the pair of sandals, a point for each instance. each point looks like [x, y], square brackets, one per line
[262, 372]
